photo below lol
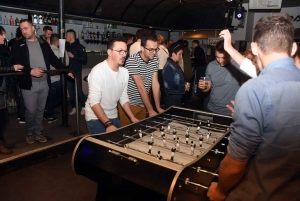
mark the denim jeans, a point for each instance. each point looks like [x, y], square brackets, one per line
[54, 98]
[173, 99]
[96, 126]
[71, 89]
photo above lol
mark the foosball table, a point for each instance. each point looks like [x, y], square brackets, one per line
[176, 153]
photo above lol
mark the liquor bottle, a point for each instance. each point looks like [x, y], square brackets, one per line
[40, 19]
[1, 22]
[35, 19]
[91, 24]
[11, 35]
[52, 21]
[17, 22]
[11, 21]
[5, 20]
[56, 22]
[82, 34]
[30, 17]
[49, 19]
[77, 34]
[45, 21]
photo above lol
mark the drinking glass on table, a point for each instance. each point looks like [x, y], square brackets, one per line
[203, 83]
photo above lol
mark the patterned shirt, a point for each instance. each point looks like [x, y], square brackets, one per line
[137, 66]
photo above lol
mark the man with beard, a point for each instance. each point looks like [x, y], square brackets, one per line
[143, 71]
[36, 56]
[224, 79]
[108, 83]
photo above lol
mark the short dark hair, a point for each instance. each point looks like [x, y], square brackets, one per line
[275, 34]
[146, 38]
[220, 47]
[26, 20]
[71, 31]
[185, 43]
[195, 41]
[53, 38]
[174, 48]
[111, 42]
[18, 33]
[47, 28]
[141, 33]
[2, 30]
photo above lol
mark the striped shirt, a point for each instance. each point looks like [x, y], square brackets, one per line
[137, 66]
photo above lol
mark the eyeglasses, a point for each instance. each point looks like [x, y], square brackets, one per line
[121, 52]
[152, 50]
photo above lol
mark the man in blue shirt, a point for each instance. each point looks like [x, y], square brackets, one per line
[262, 162]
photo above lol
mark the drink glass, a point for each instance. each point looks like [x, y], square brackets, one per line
[203, 82]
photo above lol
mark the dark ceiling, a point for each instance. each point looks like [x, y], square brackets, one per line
[167, 14]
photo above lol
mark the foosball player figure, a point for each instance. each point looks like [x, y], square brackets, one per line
[140, 133]
[158, 156]
[162, 129]
[201, 140]
[192, 147]
[174, 134]
[169, 127]
[162, 133]
[208, 123]
[187, 138]
[164, 141]
[173, 153]
[152, 137]
[150, 144]
[178, 144]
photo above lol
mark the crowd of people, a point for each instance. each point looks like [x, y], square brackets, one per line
[259, 88]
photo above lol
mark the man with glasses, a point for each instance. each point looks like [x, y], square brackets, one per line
[108, 83]
[143, 71]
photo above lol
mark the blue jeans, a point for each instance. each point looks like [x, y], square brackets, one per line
[96, 126]
[54, 98]
[173, 99]
[71, 89]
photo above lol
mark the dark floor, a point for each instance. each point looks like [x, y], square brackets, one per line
[51, 180]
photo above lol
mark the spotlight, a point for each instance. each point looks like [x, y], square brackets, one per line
[239, 12]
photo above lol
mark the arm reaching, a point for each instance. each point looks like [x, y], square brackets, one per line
[245, 66]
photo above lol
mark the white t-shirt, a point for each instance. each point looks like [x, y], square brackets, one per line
[106, 87]
[135, 48]
[248, 68]
[162, 55]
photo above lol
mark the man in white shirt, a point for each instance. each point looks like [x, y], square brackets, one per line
[107, 85]
[136, 47]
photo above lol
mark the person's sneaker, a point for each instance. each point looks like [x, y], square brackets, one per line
[29, 139]
[4, 150]
[82, 111]
[40, 138]
[22, 120]
[50, 120]
[73, 111]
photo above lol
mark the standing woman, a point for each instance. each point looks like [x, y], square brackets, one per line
[5, 66]
[162, 55]
[174, 82]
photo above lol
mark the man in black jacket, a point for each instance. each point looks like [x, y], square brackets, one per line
[36, 56]
[77, 57]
